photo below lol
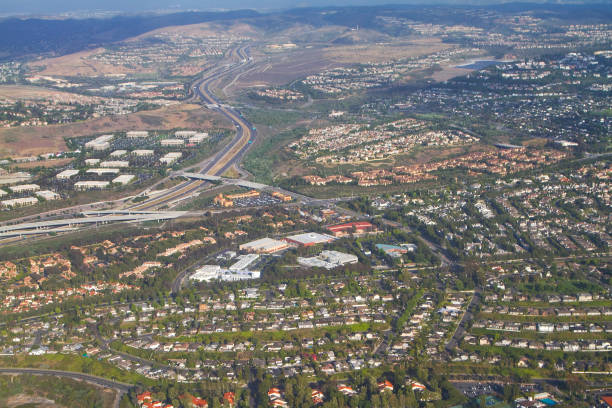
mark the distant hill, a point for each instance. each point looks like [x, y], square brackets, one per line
[21, 38]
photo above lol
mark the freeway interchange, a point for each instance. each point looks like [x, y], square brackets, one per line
[229, 156]
[152, 208]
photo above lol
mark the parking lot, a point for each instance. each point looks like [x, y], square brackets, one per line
[475, 389]
[262, 200]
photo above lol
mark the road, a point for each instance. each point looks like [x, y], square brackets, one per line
[105, 344]
[230, 154]
[119, 387]
[468, 315]
[436, 249]
[179, 281]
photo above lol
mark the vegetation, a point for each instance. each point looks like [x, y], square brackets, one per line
[63, 391]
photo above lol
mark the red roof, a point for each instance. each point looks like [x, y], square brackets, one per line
[385, 385]
[229, 397]
[144, 396]
[350, 225]
[607, 399]
[199, 402]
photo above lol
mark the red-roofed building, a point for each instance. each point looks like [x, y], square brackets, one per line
[384, 386]
[317, 397]
[230, 397]
[359, 227]
[144, 397]
[274, 393]
[199, 402]
[346, 390]
[416, 386]
[607, 400]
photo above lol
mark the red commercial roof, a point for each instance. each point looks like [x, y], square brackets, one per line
[349, 225]
[607, 399]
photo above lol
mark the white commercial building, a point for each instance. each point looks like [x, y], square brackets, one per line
[3, 193]
[92, 162]
[171, 157]
[24, 188]
[19, 202]
[67, 174]
[184, 134]
[198, 138]
[48, 195]
[115, 163]
[206, 273]
[230, 276]
[310, 238]
[124, 179]
[134, 134]
[118, 153]
[209, 273]
[100, 171]
[329, 260]
[101, 146]
[100, 143]
[264, 246]
[143, 152]
[172, 142]
[243, 262]
[339, 258]
[91, 185]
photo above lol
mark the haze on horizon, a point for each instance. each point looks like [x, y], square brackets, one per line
[8, 7]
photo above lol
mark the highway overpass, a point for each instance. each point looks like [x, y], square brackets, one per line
[89, 218]
[236, 182]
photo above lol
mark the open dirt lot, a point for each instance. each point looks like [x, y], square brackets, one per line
[280, 68]
[38, 140]
[24, 92]
[78, 64]
[448, 72]
[30, 400]
[382, 52]
[204, 30]
[452, 70]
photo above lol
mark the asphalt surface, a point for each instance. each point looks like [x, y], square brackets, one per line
[231, 154]
[467, 317]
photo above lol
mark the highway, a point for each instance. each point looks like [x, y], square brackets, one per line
[91, 218]
[12, 231]
[230, 154]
